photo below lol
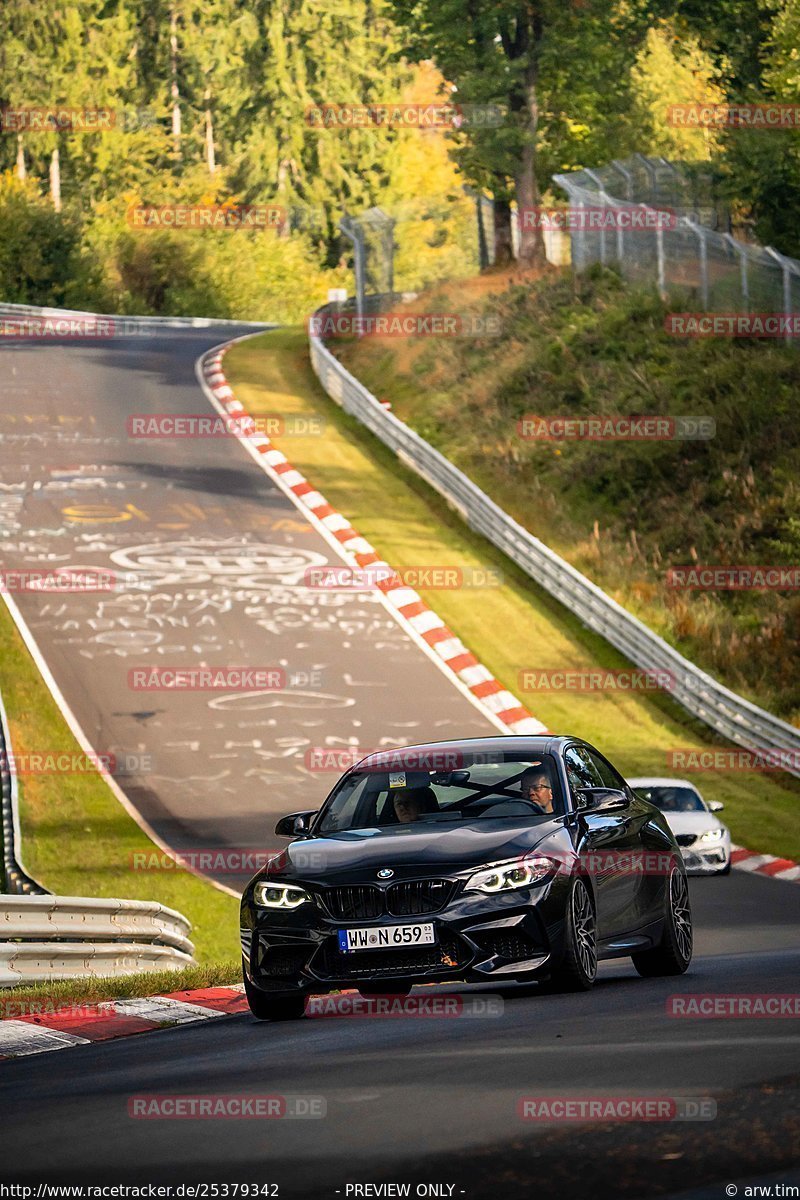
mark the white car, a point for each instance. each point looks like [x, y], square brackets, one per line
[704, 841]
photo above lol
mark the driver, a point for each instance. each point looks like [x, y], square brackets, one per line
[412, 802]
[536, 787]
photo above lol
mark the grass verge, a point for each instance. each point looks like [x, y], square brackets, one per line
[411, 525]
[622, 511]
[59, 994]
[77, 840]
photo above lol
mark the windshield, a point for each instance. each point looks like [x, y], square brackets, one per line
[672, 799]
[508, 788]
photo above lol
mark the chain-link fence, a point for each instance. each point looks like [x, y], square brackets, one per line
[659, 222]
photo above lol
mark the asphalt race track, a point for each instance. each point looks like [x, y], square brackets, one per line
[406, 1100]
[211, 558]
[435, 1099]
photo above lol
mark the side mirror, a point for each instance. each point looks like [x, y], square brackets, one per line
[715, 806]
[601, 800]
[296, 824]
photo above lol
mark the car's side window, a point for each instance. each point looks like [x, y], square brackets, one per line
[581, 772]
[610, 777]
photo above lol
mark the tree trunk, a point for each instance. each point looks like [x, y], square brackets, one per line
[531, 242]
[55, 180]
[174, 89]
[503, 246]
[211, 161]
[22, 172]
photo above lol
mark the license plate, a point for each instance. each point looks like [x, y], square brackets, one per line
[387, 937]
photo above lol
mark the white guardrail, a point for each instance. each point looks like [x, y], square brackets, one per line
[729, 714]
[62, 937]
[120, 325]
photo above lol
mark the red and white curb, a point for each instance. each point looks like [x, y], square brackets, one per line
[765, 864]
[427, 628]
[81, 1024]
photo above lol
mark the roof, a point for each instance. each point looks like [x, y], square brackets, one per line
[507, 744]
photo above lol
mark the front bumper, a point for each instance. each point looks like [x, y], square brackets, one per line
[706, 860]
[515, 935]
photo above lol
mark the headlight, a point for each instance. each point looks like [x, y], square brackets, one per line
[279, 895]
[713, 835]
[506, 876]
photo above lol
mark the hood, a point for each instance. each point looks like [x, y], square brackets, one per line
[410, 852]
[692, 822]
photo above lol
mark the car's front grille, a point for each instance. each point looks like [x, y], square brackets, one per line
[362, 902]
[449, 955]
[418, 896]
[686, 839]
[513, 944]
[411, 898]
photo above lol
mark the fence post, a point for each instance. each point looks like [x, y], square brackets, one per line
[626, 175]
[352, 231]
[744, 281]
[701, 236]
[786, 271]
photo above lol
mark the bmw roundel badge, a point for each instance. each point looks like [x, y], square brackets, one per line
[385, 873]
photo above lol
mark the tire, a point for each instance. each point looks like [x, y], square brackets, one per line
[673, 953]
[273, 1008]
[578, 968]
[384, 989]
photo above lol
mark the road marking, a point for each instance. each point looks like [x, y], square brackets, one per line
[19, 1038]
[277, 467]
[160, 1008]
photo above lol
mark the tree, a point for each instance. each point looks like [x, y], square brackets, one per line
[559, 71]
[668, 71]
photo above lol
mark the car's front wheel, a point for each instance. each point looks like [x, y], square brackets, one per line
[273, 1008]
[673, 953]
[578, 968]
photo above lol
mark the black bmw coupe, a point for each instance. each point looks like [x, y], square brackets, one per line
[502, 858]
